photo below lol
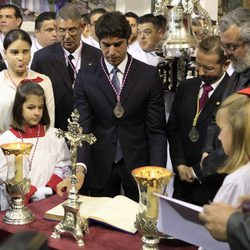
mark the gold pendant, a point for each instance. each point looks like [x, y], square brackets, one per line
[118, 110]
[194, 134]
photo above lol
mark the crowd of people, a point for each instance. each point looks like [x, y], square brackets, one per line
[104, 64]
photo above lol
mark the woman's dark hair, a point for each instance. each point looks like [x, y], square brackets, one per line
[24, 89]
[14, 35]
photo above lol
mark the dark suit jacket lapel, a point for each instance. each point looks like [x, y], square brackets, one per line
[59, 63]
[86, 56]
[131, 79]
[214, 101]
[104, 84]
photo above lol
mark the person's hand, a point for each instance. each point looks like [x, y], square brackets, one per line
[215, 217]
[65, 184]
[245, 198]
[186, 173]
[41, 193]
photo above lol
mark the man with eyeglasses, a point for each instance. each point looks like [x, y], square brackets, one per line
[61, 61]
[235, 41]
[196, 101]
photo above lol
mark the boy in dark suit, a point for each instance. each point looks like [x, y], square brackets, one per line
[120, 100]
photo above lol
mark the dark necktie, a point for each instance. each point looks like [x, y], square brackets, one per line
[115, 80]
[204, 97]
[71, 68]
[117, 86]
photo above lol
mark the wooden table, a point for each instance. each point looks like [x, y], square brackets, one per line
[98, 238]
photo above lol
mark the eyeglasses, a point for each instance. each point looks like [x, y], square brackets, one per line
[205, 68]
[231, 48]
[72, 31]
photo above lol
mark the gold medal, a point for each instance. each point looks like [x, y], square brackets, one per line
[194, 134]
[118, 110]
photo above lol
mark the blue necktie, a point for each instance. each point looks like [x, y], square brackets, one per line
[115, 80]
[117, 86]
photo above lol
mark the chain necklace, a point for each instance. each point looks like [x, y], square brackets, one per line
[118, 110]
[11, 79]
[78, 59]
[37, 139]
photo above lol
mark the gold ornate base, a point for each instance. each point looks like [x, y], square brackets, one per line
[18, 214]
[148, 228]
[72, 223]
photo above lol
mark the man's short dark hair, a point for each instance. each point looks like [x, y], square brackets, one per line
[45, 16]
[150, 18]
[113, 24]
[97, 11]
[131, 14]
[17, 12]
[212, 45]
[86, 18]
[14, 7]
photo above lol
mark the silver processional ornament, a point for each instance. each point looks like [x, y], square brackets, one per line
[178, 44]
[72, 223]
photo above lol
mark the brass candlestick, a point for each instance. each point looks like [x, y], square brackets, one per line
[17, 184]
[72, 222]
[150, 180]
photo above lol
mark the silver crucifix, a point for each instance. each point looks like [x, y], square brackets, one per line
[72, 222]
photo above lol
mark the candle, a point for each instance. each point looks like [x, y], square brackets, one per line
[152, 203]
[18, 177]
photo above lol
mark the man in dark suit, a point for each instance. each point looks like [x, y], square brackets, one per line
[57, 63]
[195, 103]
[120, 101]
[235, 40]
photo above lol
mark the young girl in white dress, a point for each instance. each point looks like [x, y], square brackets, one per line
[49, 160]
[233, 118]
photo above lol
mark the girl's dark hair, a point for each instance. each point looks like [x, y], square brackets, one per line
[14, 35]
[24, 89]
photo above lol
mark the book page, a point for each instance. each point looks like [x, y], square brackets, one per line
[119, 212]
[180, 220]
[57, 212]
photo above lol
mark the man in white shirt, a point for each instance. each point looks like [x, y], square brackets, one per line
[150, 32]
[45, 31]
[94, 16]
[10, 18]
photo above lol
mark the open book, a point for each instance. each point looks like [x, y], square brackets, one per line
[119, 212]
[180, 219]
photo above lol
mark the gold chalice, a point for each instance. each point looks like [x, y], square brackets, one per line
[18, 182]
[150, 180]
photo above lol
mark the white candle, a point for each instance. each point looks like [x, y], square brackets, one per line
[152, 207]
[18, 177]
